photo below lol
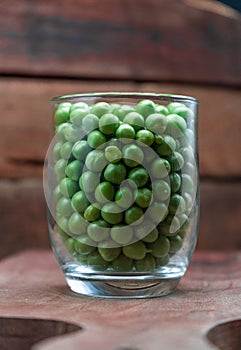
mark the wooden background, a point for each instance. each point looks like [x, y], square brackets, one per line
[50, 48]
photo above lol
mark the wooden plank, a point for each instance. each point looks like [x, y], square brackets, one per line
[33, 287]
[220, 216]
[23, 216]
[26, 122]
[129, 39]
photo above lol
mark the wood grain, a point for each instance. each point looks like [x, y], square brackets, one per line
[26, 122]
[32, 286]
[23, 221]
[124, 39]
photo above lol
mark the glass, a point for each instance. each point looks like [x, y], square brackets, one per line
[121, 184]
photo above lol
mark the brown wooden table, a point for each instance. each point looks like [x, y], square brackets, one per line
[36, 303]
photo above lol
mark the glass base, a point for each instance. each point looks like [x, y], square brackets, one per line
[121, 286]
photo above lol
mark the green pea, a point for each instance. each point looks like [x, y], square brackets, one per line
[80, 202]
[95, 161]
[189, 202]
[65, 105]
[125, 131]
[134, 119]
[156, 123]
[143, 197]
[111, 213]
[59, 169]
[160, 247]
[182, 233]
[124, 197]
[146, 107]
[167, 146]
[96, 139]
[160, 168]
[189, 135]
[64, 207]
[64, 235]
[74, 170]
[135, 250]
[121, 234]
[115, 173]
[184, 112]
[90, 122]
[62, 223]
[66, 150]
[77, 224]
[162, 109]
[176, 161]
[148, 155]
[146, 264]
[161, 190]
[159, 139]
[79, 104]
[146, 137]
[144, 229]
[57, 193]
[176, 125]
[108, 123]
[56, 151]
[100, 108]
[109, 254]
[139, 175]
[98, 230]
[122, 263]
[183, 220]
[81, 149]
[83, 248]
[170, 226]
[114, 142]
[151, 237]
[133, 155]
[95, 261]
[59, 131]
[92, 212]
[176, 204]
[68, 187]
[157, 211]
[61, 115]
[190, 169]
[175, 182]
[175, 243]
[173, 105]
[77, 115]
[187, 183]
[163, 261]
[88, 181]
[122, 110]
[187, 153]
[72, 133]
[104, 192]
[113, 154]
[69, 243]
[133, 215]
[114, 107]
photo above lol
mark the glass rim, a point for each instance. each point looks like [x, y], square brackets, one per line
[160, 96]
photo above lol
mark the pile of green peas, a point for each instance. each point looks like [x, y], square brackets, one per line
[125, 187]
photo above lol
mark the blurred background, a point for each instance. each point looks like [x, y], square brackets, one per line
[57, 47]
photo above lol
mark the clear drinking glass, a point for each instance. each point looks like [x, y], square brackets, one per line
[121, 182]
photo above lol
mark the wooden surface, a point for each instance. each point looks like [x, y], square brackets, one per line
[149, 40]
[33, 287]
[50, 48]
